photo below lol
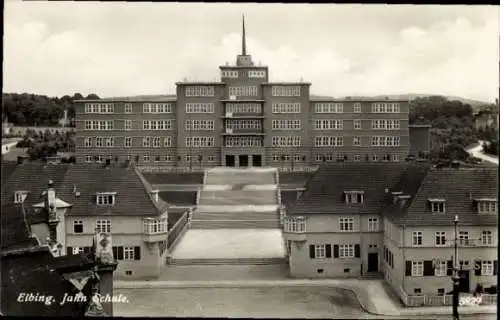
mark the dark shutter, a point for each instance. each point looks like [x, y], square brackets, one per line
[119, 253]
[449, 268]
[137, 253]
[115, 253]
[495, 267]
[385, 253]
[477, 267]
[335, 250]
[428, 268]
[357, 251]
[328, 250]
[69, 251]
[311, 251]
[86, 249]
[408, 268]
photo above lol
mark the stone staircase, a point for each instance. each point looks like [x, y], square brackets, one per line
[238, 199]
[229, 261]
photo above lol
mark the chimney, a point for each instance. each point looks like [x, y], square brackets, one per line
[51, 195]
[155, 194]
[50, 206]
[395, 196]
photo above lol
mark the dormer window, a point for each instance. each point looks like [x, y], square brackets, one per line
[487, 205]
[354, 196]
[106, 198]
[437, 205]
[20, 196]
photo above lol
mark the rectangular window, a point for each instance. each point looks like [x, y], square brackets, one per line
[320, 251]
[286, 141]
[354, 197]
[200, 125]
[440, 238]
[200, 108]
[146, 142]
[486, 238]
[346, 224]
[128, 124]
[357, 124]
[145, 158]
[328, 141]
[385, 107]
[346, 251]
[243, 91]
[463, 238]
[157, 108]
[357, 107]
[328, 107]
[357, 157]
[87, 142]
[441, 269]
[128, 108]
[285, 124]
[487, 206]
[229, 74]
[328, 124]
[202, 142]
[128, 253]
[78, 250]
[417, 268]
[89, 158]
[356, 141]
[127, 142]
[105, 199]
[487, 268]
[103, 226]
[373, 225]
[167, 141]
[417, 238]
[78, 226]
[243, 108]
[437, 206]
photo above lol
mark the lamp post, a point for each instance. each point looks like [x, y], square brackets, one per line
[455, 278]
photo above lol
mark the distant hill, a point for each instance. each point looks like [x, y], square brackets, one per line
[409, 96]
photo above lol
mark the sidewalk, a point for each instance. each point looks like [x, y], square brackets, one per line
[371, 294]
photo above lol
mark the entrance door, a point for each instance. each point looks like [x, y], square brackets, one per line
[243, 160]
[464, 285]
[257, 160]
[230, 160]
[372, 262]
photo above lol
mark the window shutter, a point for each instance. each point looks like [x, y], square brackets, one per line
[477, 267]
[428, 268]
[328, 249]
[408, 268]
[495, 267]
[86, 249]
[120, 253]
[137, 253]
[449, 268]
[357, 251]
[335, 250]
[115, 253]
[69, 251]
[311, 251]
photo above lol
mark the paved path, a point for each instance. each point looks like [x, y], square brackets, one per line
[371, 294]
[477, 152]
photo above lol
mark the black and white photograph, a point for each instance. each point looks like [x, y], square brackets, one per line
[250, 160]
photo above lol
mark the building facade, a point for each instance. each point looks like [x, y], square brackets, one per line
[241, 120]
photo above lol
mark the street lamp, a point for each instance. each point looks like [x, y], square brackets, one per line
[455, 278]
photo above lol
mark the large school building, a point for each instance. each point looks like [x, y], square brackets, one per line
[242, 120]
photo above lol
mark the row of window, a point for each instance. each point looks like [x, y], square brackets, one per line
[320, 251]
[286, 124]
[462, 237]
[200, 107]
[155, 142]
[99, 125]
[328, 141]
[378, 107]
[148, 157]
[329, 107]
[328, 124]
[285, 91]
[389, 257]
[421, 268]
[157, 124]
[152, 226]
[386, 141]
[154, 108]
[243, 124]
[386, 124]
[243, 108]
[201, 141]
[243, 91]
[100, 226]
[229, 74]
[286, 107]
[286, 141]
[99, 108]
[108, 142]
[200, 91]
[245, 141]
[200, 125]
[357, 157]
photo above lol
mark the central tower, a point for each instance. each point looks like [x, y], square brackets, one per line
[243, 59]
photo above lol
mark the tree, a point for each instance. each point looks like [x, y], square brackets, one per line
[93, 96]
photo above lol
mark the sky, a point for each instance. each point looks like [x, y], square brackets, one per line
[126, 49]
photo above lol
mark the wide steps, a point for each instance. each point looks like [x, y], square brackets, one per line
[235, 224]
[236, 215]
[229, 261]
[240, 177]
[235, 202]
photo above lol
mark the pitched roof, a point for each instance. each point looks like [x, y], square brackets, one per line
[89, 179]
[32, 177]
[8, 168]
[288, 198]
[295, 177]
[459, 188]
[325, 191]
[16, 233]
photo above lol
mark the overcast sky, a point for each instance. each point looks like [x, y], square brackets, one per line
[120, 49]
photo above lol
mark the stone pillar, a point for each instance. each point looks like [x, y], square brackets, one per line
[105, 287]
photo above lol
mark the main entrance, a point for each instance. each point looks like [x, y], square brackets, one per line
[464, 284]
[230, 160]
[372, 262]
[243, 160]
[256, 160]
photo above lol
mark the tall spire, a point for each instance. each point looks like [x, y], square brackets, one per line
[243, 40]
